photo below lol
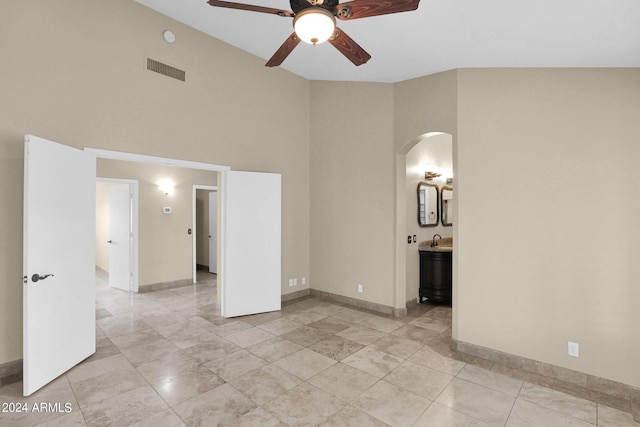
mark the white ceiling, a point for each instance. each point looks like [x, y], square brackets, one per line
[439, 36]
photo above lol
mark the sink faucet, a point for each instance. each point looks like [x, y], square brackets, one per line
[434, 242]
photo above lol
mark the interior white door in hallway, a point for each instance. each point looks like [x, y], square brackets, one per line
[213, 232]
[120, 236]
[252, 224]
[58, 260]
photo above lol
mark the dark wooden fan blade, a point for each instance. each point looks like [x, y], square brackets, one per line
[284, 51]
[349, 48]
[365, 8]
[250, 7]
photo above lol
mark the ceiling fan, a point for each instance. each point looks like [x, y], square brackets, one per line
[314, 21]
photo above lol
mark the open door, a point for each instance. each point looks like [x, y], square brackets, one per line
[120, 235]
[213, 232]
[59, 260]
[251, 263]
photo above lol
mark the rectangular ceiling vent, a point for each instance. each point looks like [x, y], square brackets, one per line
[167, 70]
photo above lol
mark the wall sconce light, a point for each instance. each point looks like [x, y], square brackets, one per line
[431, 175]
[166, 187]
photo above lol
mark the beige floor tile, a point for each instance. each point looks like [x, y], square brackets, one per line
[306, 335]
[416, 333]
[106, 385]
[219, 406]
[374, 362]
[560, 402]
[381, 324]
[610, 417]
[490, 406]
[391, 404]
[432, 359]
[212, 350]
[125, 409]
[332, 325]
[352, 417]
[343, 381]
[361, 334]
[249, 337]
[418, 379]
[351, 315]
[229, 328]
[257, 418]
[183, 385]
[274, 349]
[305, 317]
[177, 328]
[266, 383]
[490, 379]
[148, 351]
[527, 414]
[336, 347]
[135, 338]
[168, 364]
[194, 337]
[304, 405]
[441, 416]
[280, 326]
[235, 364]
[432, 324]
[73, 419]
[398, 346]
[304, 363]
[166, 418]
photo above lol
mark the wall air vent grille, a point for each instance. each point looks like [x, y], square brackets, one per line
[167, 70]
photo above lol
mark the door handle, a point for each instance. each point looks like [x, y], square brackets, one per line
[109, 241]
[37, 277]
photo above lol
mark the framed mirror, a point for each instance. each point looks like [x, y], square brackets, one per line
[446, 206]
[428, 204]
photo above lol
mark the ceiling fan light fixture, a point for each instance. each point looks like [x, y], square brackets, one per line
[314, 25]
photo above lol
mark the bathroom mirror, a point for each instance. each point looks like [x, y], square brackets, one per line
[446, 206]
[428, 204]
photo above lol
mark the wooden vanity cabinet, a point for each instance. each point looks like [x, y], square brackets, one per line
[435, 276]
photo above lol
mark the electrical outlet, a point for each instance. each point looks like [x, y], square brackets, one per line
[360, 288]
[295, 282]
[290, 282]
[303, 281]
[573, 349]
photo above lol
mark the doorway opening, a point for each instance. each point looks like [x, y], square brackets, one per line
[410, 169]
[205, 230]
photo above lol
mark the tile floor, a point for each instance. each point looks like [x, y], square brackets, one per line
[167, 358]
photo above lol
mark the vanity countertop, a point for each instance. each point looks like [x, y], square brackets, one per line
[444, 245]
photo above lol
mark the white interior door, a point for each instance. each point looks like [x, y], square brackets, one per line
[120, 236]
[59, 260]
[213, 232]
[251, 279]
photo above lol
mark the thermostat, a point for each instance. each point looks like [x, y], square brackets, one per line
[166, 210]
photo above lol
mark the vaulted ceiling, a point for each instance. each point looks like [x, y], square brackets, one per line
[438, 36]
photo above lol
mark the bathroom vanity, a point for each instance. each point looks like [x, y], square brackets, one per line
[435, 273]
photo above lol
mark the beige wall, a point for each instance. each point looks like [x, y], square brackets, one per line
[352, 181]
[73, 72]
[548, 216]
[435, 150]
